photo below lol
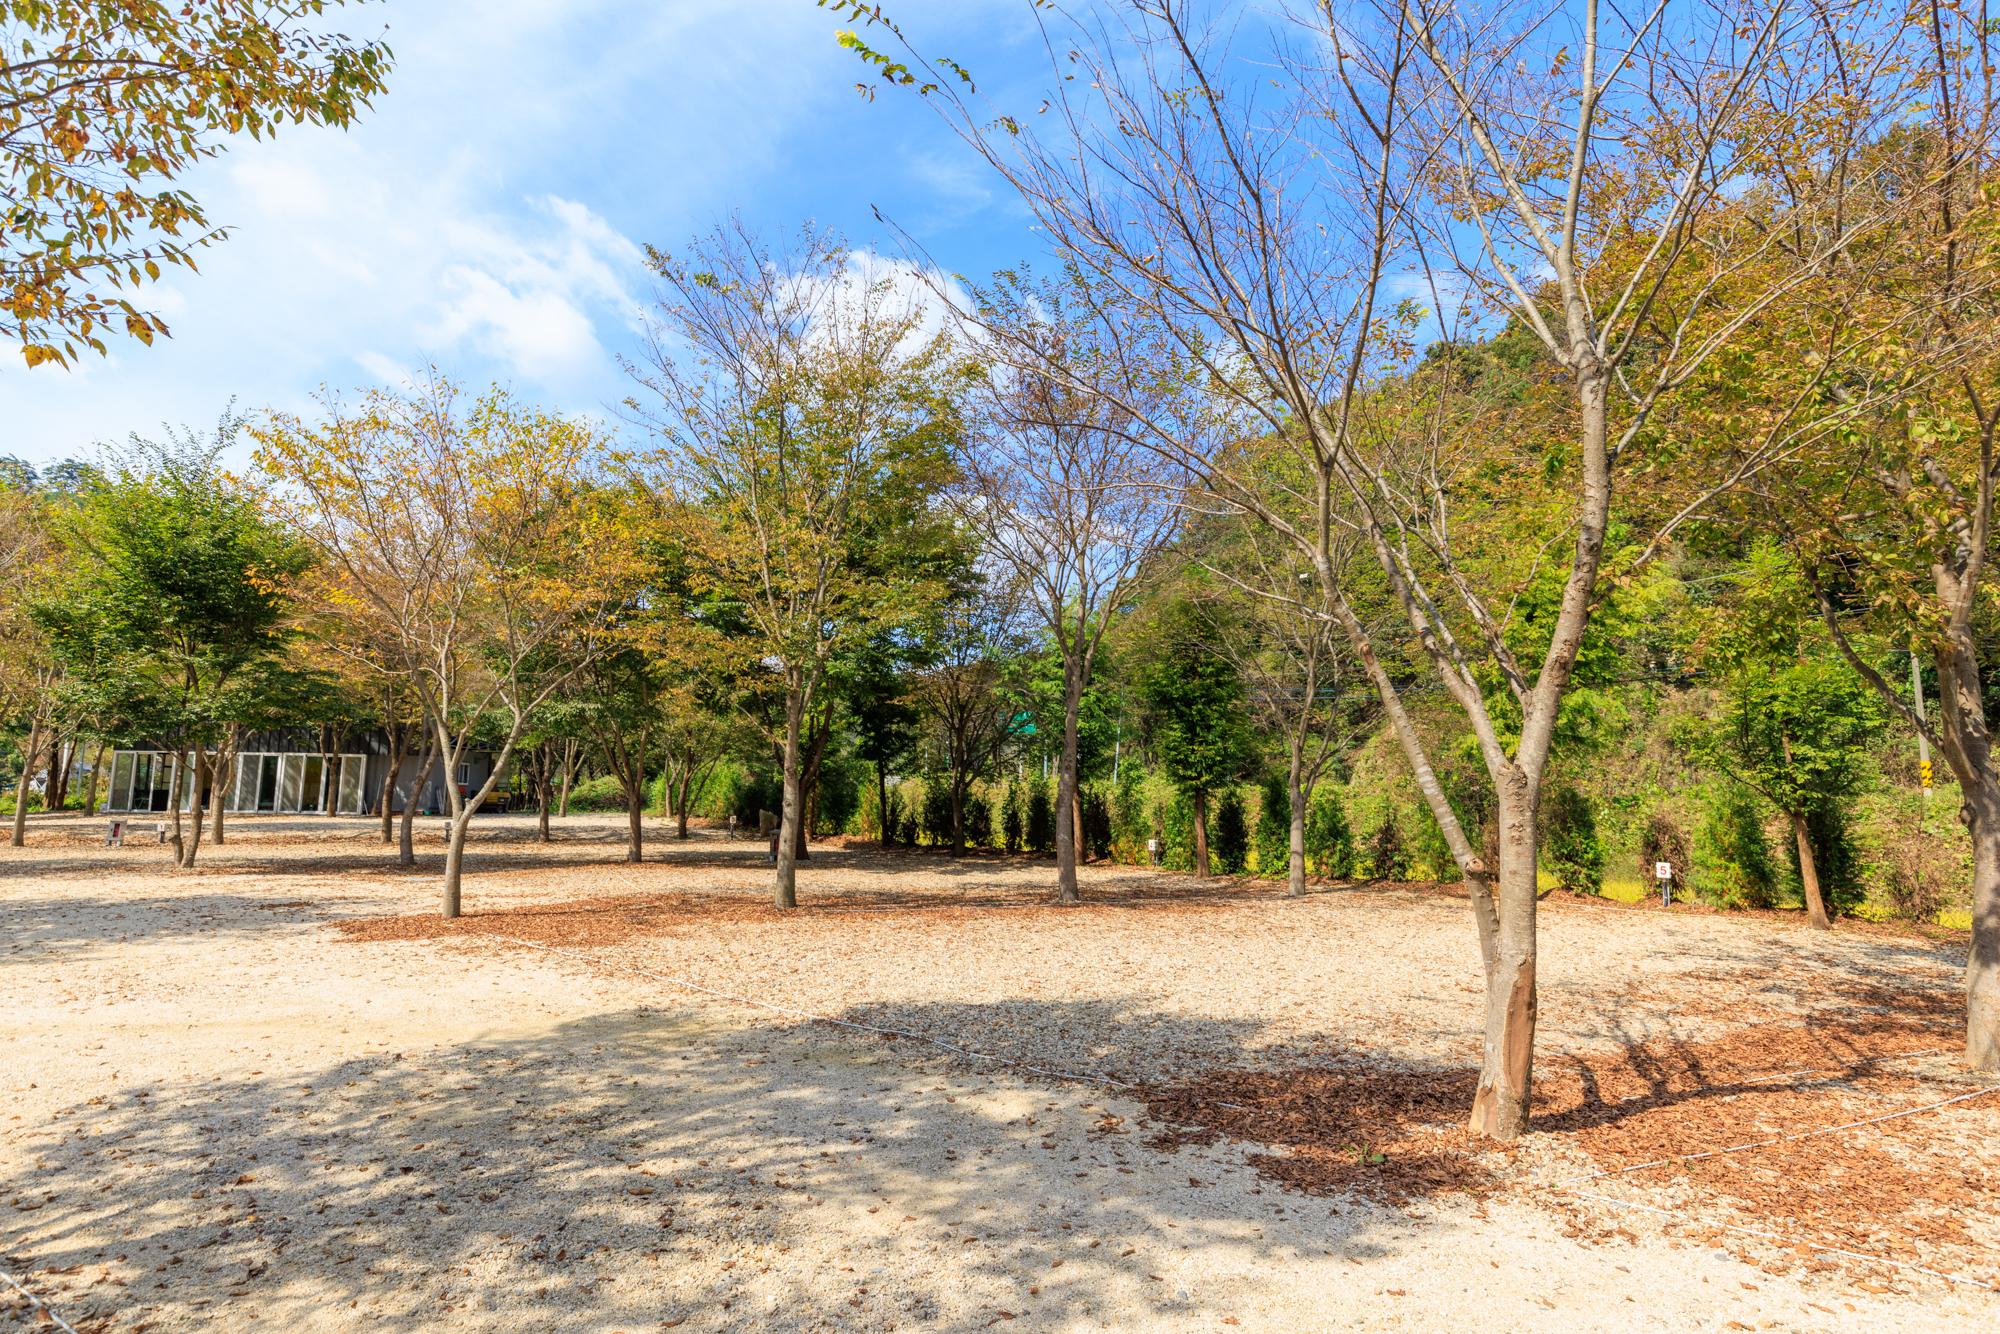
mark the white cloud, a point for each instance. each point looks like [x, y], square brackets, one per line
[529, 301]
[481, 217]
[388, 371]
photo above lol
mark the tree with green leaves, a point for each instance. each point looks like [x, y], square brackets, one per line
[1198, 726]
[619, 706]
[179, 596]
[104, 105]
[965, 693]
[1798, 732]
[805, 424]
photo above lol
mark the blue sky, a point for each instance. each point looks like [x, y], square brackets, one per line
[487, 217]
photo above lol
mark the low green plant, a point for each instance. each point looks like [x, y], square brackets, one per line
[1274, 827]
[1014, 819]
[1732, 857]
[1041, 817]
[1571, 850]
[1177, 833]
[1229, 851]
[1329, 841]
[1385, 852]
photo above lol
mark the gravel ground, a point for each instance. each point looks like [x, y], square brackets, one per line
[222, 1110]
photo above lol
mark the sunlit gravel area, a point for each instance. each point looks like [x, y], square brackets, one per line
[277, 1093]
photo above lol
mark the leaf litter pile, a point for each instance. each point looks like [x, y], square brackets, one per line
[608, 920]
[1922, 1189]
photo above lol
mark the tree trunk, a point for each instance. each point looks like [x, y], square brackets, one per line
[407, 854]
[887, 838]
[96, 768]
[201, 781]
[1809, 874]
[1066, 828]
[1201, 834]
[785, 888]
[1982, 963]
[630, 762]
[454, 859]
[28, 754]
[178, 779]
[399, 751]
[59, 771]
[568, 774]
[685, 796]
[957, 817]
[1295, 880]
[1507, 948]
[1968, 749]
[544, 790]
[809, 771]
[220, 780]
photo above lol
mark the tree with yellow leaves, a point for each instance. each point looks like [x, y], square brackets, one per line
[470, 536]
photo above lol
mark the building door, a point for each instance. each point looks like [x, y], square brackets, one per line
[267, 783]
[309, 789]
[142, 781]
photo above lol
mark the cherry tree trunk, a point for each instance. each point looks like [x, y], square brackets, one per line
[1506, 923]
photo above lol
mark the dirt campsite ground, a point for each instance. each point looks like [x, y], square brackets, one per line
[279, 1093]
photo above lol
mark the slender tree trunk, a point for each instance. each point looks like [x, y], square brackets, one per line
[685, 797]
[178, 779]
[785, 889]
[1066, 827]
[222, 780]
[957, 817]
[59, 771]
[635, 825]
[545, 761]
[809, 788]
[1295, 880]
[28, 757]
[407, 854]
[399, 749]
[1809, 874]
[1201, 834]
[202, 780]
[888, 834]
[568, 774]
[96, 768]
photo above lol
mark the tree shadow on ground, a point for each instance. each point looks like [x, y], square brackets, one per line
[634, 1167]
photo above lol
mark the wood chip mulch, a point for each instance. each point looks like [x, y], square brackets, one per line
[1921, 1189]
[613, 919]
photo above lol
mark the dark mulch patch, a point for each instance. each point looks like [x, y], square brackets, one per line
[613, 919]
[1910, 1189]
[1384, 1135]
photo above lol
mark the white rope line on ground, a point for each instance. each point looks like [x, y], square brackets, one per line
[1781, 1139]
[1775, 1236]
[1794, 1074]
[47, 1311]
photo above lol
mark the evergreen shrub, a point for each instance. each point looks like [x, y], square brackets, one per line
[1229, 852]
